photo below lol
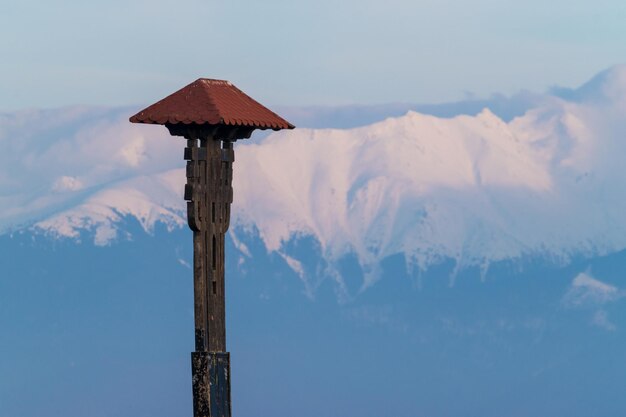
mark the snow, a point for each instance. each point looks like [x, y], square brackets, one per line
[475, 189]
[147, 199]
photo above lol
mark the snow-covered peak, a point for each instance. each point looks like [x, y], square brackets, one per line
[148, 199]
[607, 86]
[57, 160]
[475, 189]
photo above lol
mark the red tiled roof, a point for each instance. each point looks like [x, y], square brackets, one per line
[213, 102]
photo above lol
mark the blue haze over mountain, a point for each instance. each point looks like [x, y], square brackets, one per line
[349, 116]
[96, 305]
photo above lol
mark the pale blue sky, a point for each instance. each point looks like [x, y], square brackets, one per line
[113, 52]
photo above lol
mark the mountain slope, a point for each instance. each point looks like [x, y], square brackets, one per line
[474, 189]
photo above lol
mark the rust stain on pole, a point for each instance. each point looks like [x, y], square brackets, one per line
[211, 115]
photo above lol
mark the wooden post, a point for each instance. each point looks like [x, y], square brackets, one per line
[209, 193]
[214, 113]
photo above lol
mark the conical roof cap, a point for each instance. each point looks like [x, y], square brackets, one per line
[211, 102]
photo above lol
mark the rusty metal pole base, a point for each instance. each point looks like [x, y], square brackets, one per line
[211, 384]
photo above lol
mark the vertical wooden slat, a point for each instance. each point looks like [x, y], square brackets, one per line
[213, 256]
[196, 219]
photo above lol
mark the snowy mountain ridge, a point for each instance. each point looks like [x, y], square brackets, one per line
[472, 188]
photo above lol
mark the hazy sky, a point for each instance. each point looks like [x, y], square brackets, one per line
[113, 52]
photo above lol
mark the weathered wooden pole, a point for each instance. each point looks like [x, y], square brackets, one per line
[211, 115]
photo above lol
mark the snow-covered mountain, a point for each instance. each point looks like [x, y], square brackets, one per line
[85, 291]
[475, 189]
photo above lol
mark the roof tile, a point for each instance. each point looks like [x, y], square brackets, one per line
[207, 101]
